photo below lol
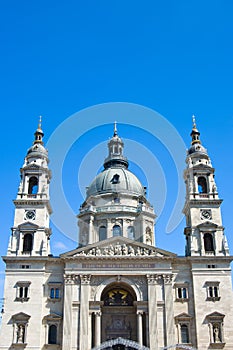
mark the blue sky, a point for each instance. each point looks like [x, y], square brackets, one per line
[58, 58]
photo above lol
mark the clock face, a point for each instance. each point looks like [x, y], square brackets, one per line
[206, 214]
[30, 214]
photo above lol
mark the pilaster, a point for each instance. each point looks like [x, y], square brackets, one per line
[84, 312]
[152, 311]
[70, 281]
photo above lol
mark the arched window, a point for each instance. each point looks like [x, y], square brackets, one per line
[52, 293]
[130, 232]
[52, 334]
[27, 243]
[33, 185]
[117, 230]
[102, 233]
[184, 334]
[208, 242]
[202, 185]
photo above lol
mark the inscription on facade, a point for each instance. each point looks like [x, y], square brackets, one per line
[118, 266]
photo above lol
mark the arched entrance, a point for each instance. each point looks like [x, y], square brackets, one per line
[118, 313]
[120, 344]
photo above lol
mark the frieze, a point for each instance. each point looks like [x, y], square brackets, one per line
[117, 266]
[119, 250]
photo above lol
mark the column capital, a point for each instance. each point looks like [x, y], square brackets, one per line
[85, 279]
[167, 278]
[70, 279]
[151, 279]
[140, 313]
[154, 279]
[98, 313]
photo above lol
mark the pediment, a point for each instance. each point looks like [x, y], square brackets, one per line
[215, 315]
[52, 317]
[118, 246]
[21, 316]
[183, 316]
[28, 226]
[207, 224]
[32, 166]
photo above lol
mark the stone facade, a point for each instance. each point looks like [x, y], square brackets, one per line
[117, 284]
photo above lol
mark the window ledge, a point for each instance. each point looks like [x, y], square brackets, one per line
[217, 345]
[54, 300]
[181, 346]
[52, 346]
[182, 300]
[19, 345]
[22, 300]
[213, 298]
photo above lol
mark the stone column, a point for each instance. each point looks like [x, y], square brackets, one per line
[109, 233]
[168, 312]
[97, 328]
[70, 280]
[75, 324]
[90, 231]
[84, 313]
[147, 330]
[152, 312]
[139, 326]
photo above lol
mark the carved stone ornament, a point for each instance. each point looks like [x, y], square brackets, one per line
[151, 279]
[167, 278]
[85, 279]
[119, 250]
[70, 279]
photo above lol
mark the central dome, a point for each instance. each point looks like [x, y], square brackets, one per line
[116, 179]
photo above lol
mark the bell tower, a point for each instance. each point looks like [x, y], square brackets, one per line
[204, 231]
[31, 233]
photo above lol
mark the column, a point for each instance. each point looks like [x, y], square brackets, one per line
[139, 326]
[152, 312]
[75, 324]
[147, 329]
[97, 328]
[90, 231]
[168, 312]
[84, 313]
[70, 280]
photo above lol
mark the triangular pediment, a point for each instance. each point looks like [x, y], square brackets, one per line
[207, 224]
[118, 246]
[21, 316]
[215, 315]
[28, 226]
[183, 316]
[32, 166]
[52, 317]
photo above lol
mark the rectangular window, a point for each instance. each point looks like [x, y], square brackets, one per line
[22, 291]
[54, 291]
[211, 266]
[181, 292]
[25, 266]
[212, 291]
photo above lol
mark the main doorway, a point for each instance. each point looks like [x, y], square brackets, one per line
[118, 313]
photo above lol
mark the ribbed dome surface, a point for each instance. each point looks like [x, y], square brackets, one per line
[37, 149]
[197, 148]
[116, 179]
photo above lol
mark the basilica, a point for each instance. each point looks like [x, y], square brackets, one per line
[117, 290]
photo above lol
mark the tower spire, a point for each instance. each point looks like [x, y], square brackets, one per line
[195, 134]
[39, 133]
[194, 122]
[115, 129]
